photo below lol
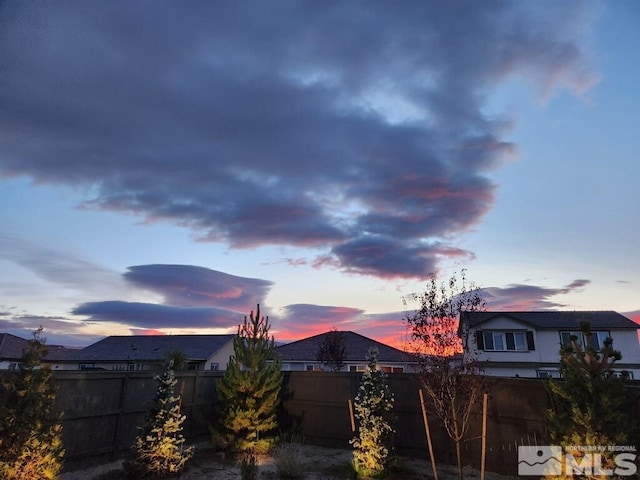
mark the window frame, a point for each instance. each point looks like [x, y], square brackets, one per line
[599, 335]
[515, 338]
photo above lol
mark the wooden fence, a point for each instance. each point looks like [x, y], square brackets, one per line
[103, 409]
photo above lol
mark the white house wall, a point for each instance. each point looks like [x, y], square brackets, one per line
[508, 324]
[547, 350]
[221, 357]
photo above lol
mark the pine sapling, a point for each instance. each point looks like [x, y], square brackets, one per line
[249, 391]
[374, 412]
[159, 448]
[30, 430]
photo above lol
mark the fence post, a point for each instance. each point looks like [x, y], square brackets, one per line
[428, 430]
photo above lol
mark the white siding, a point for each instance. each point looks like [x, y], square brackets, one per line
[221, 357]
[547, 350]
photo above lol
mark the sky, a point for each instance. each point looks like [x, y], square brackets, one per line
[165, 167]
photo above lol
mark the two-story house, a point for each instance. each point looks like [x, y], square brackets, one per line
[527, 344]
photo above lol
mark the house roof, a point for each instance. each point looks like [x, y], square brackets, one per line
[357, 349]
[12, 348]
[151, 347]
[606, 319]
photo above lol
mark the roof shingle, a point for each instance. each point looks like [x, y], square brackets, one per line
[606, 319]
[357, 349]
[152, 347]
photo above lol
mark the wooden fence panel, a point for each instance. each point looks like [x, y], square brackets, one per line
[103, 409]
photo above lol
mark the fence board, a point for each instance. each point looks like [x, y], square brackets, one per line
[102, 410]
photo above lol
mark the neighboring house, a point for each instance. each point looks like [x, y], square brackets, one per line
[302, 355]
[527, 344]
[150, 352]
[12, 348]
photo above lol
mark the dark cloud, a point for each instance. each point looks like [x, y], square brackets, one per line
[577, 284]
[154, 316]
[189, 285]
[350, 127]
[371, 255]
[518, 297]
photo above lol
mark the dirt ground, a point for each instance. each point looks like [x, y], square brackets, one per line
[320, 464]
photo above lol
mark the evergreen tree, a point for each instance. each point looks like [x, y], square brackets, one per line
[159, 448]
[590, 405]
[30, 430]
[373, 410]
[250, 388]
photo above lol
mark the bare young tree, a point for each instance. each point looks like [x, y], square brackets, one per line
[449, 372]
[332, 352]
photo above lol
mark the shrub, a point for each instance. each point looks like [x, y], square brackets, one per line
[289, 461]
[373, 410]
[30, 430]
[159, 448]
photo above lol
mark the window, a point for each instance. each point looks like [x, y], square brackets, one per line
[548, 373]
[565, 338]
[87, 366]
[397, 370]
[131, 366]
[215, 366]
[504, 341]
[357, 368]
[595, 340]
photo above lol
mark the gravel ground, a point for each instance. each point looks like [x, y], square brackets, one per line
[320, 464]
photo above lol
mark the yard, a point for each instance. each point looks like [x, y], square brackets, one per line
[319, 464]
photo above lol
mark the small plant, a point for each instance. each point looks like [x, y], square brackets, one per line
[289, 461]
[374, 411]
[30, 430]
[159, 449]
[249, 467]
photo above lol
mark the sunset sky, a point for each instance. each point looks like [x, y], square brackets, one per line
[165, 166]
